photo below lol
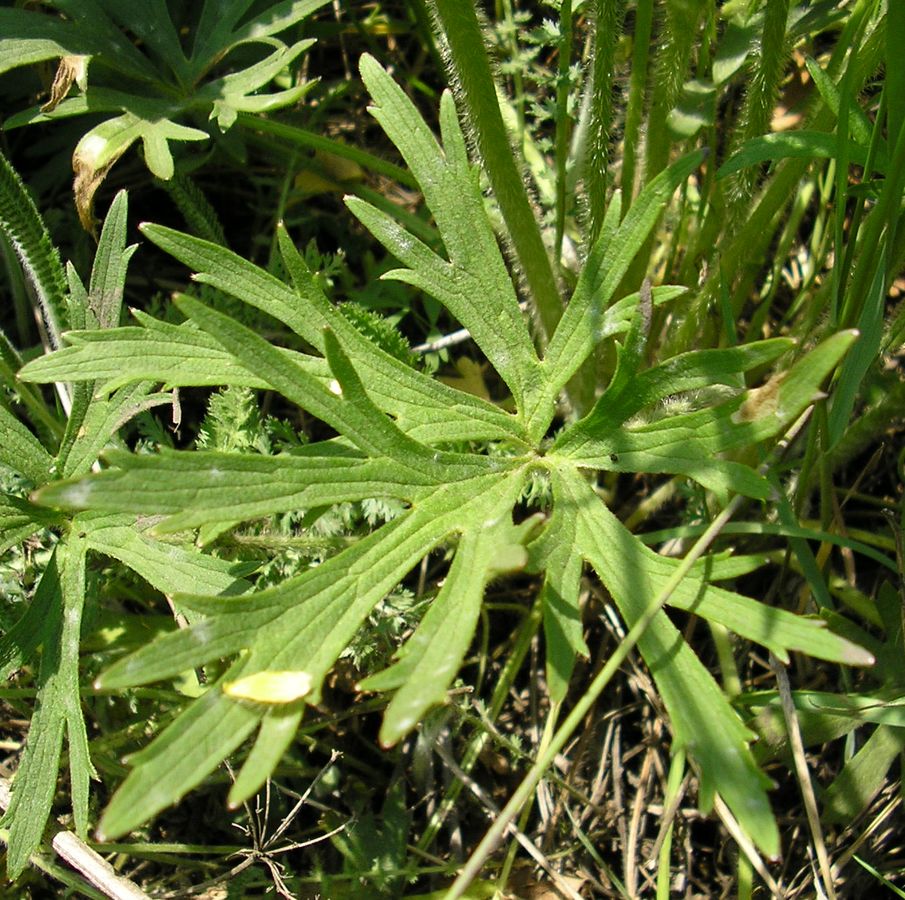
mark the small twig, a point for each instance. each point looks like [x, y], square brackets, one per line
[865, 835]
[87, 862]
[450, 340]
[631, 869]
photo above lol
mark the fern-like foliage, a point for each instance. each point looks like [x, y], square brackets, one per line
[400, 438]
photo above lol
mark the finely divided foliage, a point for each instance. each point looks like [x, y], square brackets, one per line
[400, 435]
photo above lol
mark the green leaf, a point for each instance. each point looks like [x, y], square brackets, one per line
[278, 729]
[180, 756]
[21, 450]
[703, 722]
[36, 626]
[702, 719]
[793, 144]
[355, 418]
[154, 27]
[177, 355]
[683, 373]
[59, 709]
[863, 776]
[474, 283]
[230, 94]
[423, 407]
[383, 434]
[19, 519]
[103, 420]
[696, 108]
[287, 622]
[100, 147]
[108, 273]
[688, 443]
[219, 32]
[169, 568]
[301, 625]
[199, 488]
[28, 37]
[858, 123]
[428, 662]
[557, 553]
[737, 41]
[585, 320]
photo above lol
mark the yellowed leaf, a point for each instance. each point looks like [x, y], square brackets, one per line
[277, 687]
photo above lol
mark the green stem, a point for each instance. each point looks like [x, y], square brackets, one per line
[562, 123]
[299, 137]
[606, 35]
[644, 17]
[477, 92]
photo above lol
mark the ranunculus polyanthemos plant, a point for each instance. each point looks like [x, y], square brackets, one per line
[458, 463]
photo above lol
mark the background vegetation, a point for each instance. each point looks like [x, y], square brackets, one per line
[461, 452]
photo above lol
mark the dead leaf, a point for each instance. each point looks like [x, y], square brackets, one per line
[71, 70]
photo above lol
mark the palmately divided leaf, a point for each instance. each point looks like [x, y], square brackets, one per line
[59, 711]
[21, 450]
[19, 519]
[219, 31]
[702, 719]
[307, 633]
[174, 355]
[685, 372]
[28, 37]
[202, 487]
[556, 553]
[103, 419]
[190, 747]
[279, 726]
[393, 423]
[235, 92]
[688, 444]
[169, 568]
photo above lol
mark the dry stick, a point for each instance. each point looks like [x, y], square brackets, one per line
[668, 817]
[631, 871]
[803, 773]
[493, 836]
[88, 863]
